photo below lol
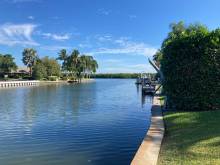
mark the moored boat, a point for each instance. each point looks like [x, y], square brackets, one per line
[148, 89]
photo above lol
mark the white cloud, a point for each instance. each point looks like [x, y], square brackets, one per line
[129, 68]
[132, 16]
[55, 17]
[31, 17]
[84, 45]
[22, 1]
[56, 37]
[103, 11]
[55, 47]
[104, 38]
[124, 45]
[112, 61]
[17, 34]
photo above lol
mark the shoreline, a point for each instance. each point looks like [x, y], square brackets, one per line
[27, 83]
[148, 151]
[65, 81]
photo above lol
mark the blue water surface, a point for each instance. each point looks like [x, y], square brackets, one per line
[102, 122]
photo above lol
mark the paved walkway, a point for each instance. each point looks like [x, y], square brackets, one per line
[148, 152]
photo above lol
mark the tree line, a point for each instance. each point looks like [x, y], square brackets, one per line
[121, 75]
[74, 65]
[190, 61]
[77, 65]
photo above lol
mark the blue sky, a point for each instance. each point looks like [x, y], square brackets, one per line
[120, 34]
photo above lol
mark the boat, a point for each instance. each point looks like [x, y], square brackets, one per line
[138, 81]
[148, 89]
[142, 78]
[72, 81]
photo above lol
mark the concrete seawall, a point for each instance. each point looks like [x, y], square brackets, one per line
[8, 84]
[149, 149]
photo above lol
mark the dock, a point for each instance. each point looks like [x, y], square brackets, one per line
[8, 84]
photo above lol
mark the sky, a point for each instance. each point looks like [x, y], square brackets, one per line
[120, 34]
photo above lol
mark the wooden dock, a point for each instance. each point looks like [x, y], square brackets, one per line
[8, 84]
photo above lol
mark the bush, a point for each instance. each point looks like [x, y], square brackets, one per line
[72, 78]
[191, 68]
[39, 71]
[52, 78]
[64, 78]
[26, 77]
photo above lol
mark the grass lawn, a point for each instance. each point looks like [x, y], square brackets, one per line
[191, 138]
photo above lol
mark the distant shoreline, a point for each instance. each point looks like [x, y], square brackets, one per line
[25, 83]
[64, 81]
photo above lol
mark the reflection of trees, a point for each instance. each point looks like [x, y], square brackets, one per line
[145, 99]
[138, 88]
[37, 101]
[47, 102]
[64, 101]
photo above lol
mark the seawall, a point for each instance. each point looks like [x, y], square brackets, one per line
[149, 149]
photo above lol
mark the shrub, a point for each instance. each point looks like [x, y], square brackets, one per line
[191, 68]
[64, 78]
[52, 78]
[39, 71]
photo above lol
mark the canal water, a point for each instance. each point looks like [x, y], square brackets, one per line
[97, 123]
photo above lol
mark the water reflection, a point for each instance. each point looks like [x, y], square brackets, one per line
[138, 88]
[72, 124]
[145, 99]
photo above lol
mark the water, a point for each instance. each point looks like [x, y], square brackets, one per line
[97, 123]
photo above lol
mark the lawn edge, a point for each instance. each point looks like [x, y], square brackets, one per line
[149, 149]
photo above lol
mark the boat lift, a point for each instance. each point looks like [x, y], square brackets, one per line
[148, 87]
[159, 72]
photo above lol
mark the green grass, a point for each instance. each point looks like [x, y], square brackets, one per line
[191, 138]
[162, 100]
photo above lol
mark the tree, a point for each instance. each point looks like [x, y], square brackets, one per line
[51, 65]
[84, 63]
[29, 58]
[76, 64]
[94, 66]
[190, 67]
[158, 57]
[63, 57]
[7, 63]
[39, 71]
[74, 61]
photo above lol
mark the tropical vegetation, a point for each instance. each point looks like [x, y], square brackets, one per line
[121, 75]
[74, 66]
[190, 61]
[45, 68]
[7, 64]
[77, 65]
[29, 58]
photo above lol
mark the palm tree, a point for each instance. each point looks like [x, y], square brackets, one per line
[63, 56]
[83, 60]
[94, 66]
[29, 58]
[76, 64]
[91, 65]
[75, 57]
[72, 62]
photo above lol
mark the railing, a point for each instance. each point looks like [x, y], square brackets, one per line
[6, 84]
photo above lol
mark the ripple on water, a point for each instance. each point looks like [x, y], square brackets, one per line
[102, 122]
